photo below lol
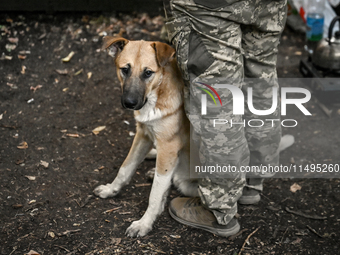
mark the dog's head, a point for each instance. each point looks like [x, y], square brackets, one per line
[140, 66]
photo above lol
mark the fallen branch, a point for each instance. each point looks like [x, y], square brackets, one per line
[247, 239]
[314, 217]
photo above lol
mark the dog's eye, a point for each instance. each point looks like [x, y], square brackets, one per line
[125, 70]
[148, 73]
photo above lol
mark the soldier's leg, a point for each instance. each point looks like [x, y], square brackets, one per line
[209, 51]
[260, 43]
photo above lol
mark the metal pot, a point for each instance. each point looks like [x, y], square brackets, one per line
[327, 53]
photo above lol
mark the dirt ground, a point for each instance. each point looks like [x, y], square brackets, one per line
[50, 160]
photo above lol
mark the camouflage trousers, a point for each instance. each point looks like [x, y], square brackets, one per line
[229, 42]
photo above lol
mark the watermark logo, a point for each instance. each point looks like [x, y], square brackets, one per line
[239, 99]
[204, 97]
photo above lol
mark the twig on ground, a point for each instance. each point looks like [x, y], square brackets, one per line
[233, 237]
[10, 127]
[284, 234]
[86, 200]
[67, 232]
[142, 184]
[314, 217]
[77, 202]
[14, 249]
[245, 242]
[111, 210]
[324, 109]
[266, 197]
[61, 247]
[313, 230]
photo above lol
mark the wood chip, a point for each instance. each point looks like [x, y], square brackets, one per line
[142, 184]
[44, 163]
[79, 72]
[35, 88]
[24, 52]
[69, 56]
[73, 135]
[51, 234]
[31, 178]
[175, 236]
[23, 146]
[67, 232]
[62, 71]
[22, 57]
[42, 36]
[97, 130]
[112, 210]
[17, 206]
[295, 187]
[23, 69]
[32, 201]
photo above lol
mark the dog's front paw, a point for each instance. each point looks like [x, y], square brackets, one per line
[105, 191]
[138, 228]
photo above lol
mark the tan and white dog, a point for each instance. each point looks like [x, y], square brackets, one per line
[152, 86]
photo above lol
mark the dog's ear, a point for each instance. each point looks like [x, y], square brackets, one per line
[164, 53]
[114, 45]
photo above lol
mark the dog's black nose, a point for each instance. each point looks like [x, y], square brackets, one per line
[129, 102]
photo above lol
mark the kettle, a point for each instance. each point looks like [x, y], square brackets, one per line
[327, 52]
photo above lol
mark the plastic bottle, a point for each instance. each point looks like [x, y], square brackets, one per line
[314, 21]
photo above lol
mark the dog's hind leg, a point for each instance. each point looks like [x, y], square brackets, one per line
[141, 145]
[181, 179]
[152, 154]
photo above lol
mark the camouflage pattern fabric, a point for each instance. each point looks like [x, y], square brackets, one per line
[226, 42]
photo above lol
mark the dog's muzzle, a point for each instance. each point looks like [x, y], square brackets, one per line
[133, 103]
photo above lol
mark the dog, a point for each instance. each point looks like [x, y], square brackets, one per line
[152, 86]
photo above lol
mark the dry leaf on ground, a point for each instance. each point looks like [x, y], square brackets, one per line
[98, 129]
[31, 178]
[22, 57]
[63, 72]
[295, 187]
[44, 163]
[35, 88]
[22, 146]
[31, 252]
